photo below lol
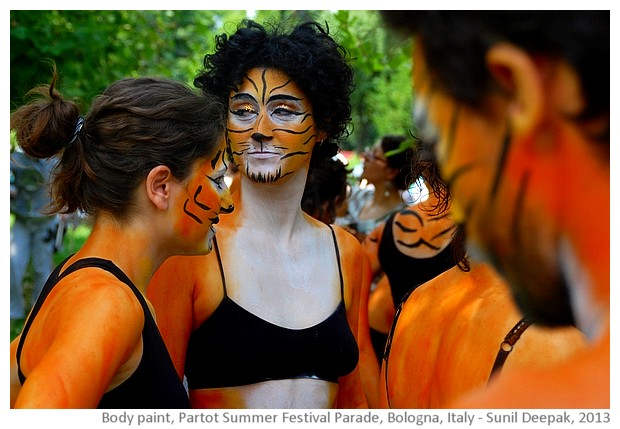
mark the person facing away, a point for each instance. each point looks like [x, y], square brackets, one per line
[453, 324]
[386, 166]
[325, 189]
[271, 318]
[518, 102]
[146, 164]
[34, 230]
[412, 246]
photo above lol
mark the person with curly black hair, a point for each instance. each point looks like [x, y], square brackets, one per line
[272, 319]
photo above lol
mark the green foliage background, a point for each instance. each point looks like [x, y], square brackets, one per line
[91, 49]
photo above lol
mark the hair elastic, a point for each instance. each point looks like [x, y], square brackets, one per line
[78, 128]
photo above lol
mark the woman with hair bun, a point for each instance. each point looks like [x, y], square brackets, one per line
[146, 164]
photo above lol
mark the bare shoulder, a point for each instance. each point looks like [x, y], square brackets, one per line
[347, 242]
[98, 296]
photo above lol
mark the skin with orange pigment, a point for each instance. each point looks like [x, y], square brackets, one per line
[271, 134]
[448, 334]
[545, 218]
[88, 359]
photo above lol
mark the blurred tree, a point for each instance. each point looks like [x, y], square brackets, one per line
[93, 48]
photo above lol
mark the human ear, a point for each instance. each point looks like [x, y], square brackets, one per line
[519, 75]
[158, 186]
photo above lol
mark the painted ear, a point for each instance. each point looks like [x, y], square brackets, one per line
[158, 186]
[515, 70]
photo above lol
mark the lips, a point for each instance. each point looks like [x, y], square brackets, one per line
[263, 155]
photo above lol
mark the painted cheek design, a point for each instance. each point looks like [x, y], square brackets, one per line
[199, 208]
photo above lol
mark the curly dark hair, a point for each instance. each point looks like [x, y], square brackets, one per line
[307, 54]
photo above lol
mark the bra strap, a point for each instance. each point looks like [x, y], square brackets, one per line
[338, 259]
[506, 346]
[219, 261]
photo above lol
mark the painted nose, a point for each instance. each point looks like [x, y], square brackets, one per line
[259, 137]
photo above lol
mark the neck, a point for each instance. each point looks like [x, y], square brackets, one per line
[273, 208]
[385, 196]
[130, 247]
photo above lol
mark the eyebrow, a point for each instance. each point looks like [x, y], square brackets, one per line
[242, 96]
[283, 97]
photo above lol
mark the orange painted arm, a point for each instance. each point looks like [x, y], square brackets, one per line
[356, 273]
[381, 307]
[86, 332]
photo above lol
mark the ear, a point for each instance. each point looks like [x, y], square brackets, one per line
[391, 173]
[158, 186]
[320, 136]
[517, 72]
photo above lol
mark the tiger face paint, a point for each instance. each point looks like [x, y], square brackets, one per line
[206, 197]
[271, 130]
[495, 190]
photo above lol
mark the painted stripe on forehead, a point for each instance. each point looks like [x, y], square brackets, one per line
[264, 79]
[281, 86]
[253, 83]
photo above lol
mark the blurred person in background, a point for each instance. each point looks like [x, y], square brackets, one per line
[518, 103]
[325, 190]
[33, 234]
[383, 180]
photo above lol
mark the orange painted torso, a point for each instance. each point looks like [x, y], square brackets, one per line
[448, 334]
[187, 290]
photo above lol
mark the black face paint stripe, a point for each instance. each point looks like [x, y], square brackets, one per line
[417, 244]
[439, 217]
[215, 159]
[252, 82]
[403, 228]
[199, 204]
[444, 232]
[516, 219]
[281, 86]
[500, 166]
[286, 130]
[264, 79]
[187, 212]
[288, 155]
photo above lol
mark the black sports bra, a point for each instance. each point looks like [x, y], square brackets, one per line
[154, 383]
[234, 347]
